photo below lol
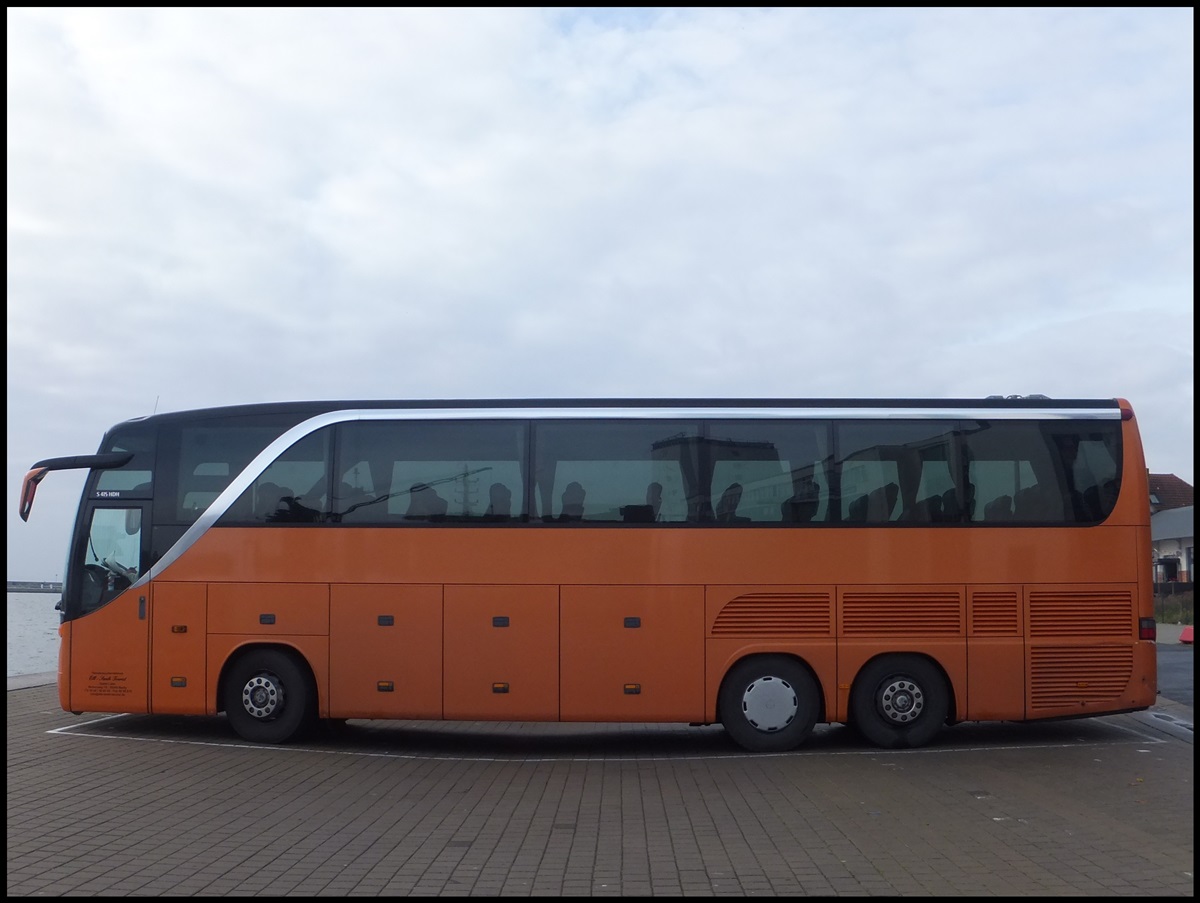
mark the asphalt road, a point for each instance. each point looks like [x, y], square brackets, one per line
[1176, 674]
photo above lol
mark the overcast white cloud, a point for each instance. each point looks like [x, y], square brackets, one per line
[215, 207]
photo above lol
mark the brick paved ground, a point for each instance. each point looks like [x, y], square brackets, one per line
[139, 806]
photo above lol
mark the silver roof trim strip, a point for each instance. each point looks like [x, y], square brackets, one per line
[716, 412]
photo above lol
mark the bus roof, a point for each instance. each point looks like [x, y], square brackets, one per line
[686, 406]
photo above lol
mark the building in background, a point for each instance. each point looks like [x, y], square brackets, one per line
[1172, 528]
[1168, 491]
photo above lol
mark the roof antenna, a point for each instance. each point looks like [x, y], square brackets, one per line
[156, 398]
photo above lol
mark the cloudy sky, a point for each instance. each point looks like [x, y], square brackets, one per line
[219, 207]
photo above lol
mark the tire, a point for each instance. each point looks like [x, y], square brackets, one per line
[269, 697]
[768, 703]
[899, 702]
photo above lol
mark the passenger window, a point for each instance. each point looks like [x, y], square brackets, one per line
[291, 490]
[748, 492]
[615, 492]
[1095, 478]
[897, 471]
[421, 472]
[1043, 472]
[210, 457]
[628, 472]
[767, 471]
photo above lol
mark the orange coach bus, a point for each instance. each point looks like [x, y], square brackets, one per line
[766, 564]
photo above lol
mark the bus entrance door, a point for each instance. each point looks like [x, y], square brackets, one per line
[107, 666]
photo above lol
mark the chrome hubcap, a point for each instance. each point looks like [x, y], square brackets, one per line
[901, 701]
[770, 704]
[262, 696]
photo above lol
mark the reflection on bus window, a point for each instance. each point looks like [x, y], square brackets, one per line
[898, 471]
[752, 472]
[1039, 473]
[211, 455]
[630, 472]
[781, 467]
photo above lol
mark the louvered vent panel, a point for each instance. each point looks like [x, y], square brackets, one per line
[776, 614]
[901, 613]
[995, 613]
[1070, 676]
[1070, 613]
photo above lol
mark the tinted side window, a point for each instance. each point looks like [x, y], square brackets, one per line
[1044, 472]
[617, 471]
[1096, 473]
[769, 471]
[208, 457]
[415, 472]
[897, 471]
[291, 490]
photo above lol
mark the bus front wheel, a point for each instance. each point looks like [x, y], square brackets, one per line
[768, 703]
[899, 702]
[268, 697]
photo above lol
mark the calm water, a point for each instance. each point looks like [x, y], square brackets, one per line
[32, 633]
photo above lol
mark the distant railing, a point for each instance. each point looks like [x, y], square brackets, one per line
[1173, 603]
[1174, 588]
[33, 586]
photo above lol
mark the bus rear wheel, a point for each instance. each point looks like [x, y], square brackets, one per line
[899, 702]
[268, 697]
[768, 703]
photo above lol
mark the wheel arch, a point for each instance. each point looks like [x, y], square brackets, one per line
[239, 652]
[929, 658]
[734, 663]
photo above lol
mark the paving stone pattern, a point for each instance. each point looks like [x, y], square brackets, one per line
[139, 806]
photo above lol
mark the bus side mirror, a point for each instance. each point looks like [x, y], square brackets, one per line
[29, 488]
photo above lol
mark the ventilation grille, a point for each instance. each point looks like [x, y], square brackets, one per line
[995, 613]
[1075, 677]
[902, 613]
[776, 614]
[1072, 613]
